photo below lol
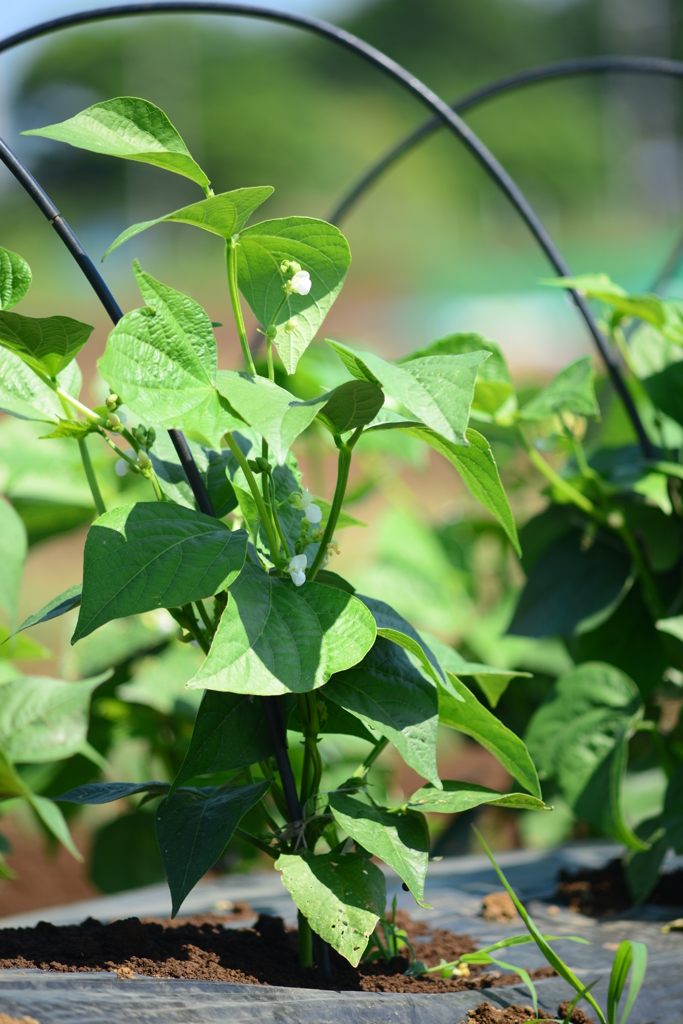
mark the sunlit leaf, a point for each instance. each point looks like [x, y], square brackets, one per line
[15, 278]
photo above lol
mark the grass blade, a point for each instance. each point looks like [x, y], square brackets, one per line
[638, 968]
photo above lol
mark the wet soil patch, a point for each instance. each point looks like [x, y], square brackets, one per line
[200, 947]
[602, 892]
[487, 1014]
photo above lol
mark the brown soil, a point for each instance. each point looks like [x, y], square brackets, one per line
[498, 906]
[487, 1014]
[200, 947]
[602, 892]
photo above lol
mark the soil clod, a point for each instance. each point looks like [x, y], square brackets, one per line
[603, 892]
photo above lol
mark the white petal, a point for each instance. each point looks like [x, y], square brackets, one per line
[297, 564]
[301, 283]
[313, 513]
[298, 579]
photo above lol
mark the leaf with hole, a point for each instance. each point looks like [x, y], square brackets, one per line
[229, 732]
[46, 344]
[193, 828]
[467, 715]
[131, 128]
[154, 555]
[342, 897]
[161, 360]
[15, 278]
[573, 391]
[222, 215]
[275, 638]
[399, 838]
[437, 390]
[320, 249]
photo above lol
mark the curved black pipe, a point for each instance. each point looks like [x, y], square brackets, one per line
[543, 73]
[419, 90]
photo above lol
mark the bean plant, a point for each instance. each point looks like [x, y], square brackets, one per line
[239, 551]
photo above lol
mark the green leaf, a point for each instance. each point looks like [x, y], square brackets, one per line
[467, 715]
[642, 866]
[664, 388]
[494, 387]
[319, 248]
[662, 314]
[154, 555]
[569, 583]
[194, 827]
[351, 405]
[59, 605]
[216, 468]
[276, 638]
[13, 547]
[53, 819]
[106, 792]
[45, 719]
[222, 215]
[437, 390]
[333, 719]
[342, 898]
[24, 395]
[159, 680]
[393, 698]
[46, 344]
[399, 838]
[268, 408]
[629, 956]
[13, 648]
[15, 278]
[230, 732]
[579, 738]
[71, 428]
[493, 681]
[131, 128]
[413, 646]
[456, 797]
[573, 390]
[161, 360]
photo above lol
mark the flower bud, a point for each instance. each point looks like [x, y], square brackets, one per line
[112, 402]
[616, 520]
[290, 267]
[292, 325]
[140, 434]
[144, 461]
[313, 513]
[263, 465]
[113, 422]
[151, 436]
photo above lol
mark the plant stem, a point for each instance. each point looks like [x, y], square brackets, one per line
[363, 768]
[206, 618]
[305, 942]
[91, 478]
[657, 609]
[343, 466]
[269, 358]
[570, 492]
[258, 843]
[231, 257]
[276, 520]
[273, 541]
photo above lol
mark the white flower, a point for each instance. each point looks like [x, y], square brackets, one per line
[301, 283]
[296, 569]
[313, 513]
[121, 467]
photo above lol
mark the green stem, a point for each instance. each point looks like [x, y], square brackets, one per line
[231, 257]
[258, 843]
[576, 497]
[305, 942]
[657, 609]
[91, 478]
[363, 768]
[273, 542]
[667, 762]
[91, 416]
[343, 466]
[185, 618]
[269, 358]
[206, 618]
[276, 520]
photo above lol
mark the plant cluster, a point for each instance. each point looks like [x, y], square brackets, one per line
[287, 642]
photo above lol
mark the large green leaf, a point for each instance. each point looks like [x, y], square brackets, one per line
[579, 739]
[493, 681]
[230, 732]
[494, 387]
[11, 784]
[275, 638]
[131, 128]
[351, 405]
[437, 390]
[462, 796]
[393, 698]
[399, 838]
[222, 215]
[194, 827]
[342, 898]
[573, 390]
[320, 249]
[45, 719]
[664, 388]
[46, 344]
[161, 360]
[15, 278]
[13, 547]
[154, 555]
[60, 605]
[569, 582]
[268, 408]
[467, 715]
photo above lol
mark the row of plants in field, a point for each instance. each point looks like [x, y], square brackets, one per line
[268, 637]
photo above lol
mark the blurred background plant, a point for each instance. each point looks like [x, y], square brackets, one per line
[435, 250]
